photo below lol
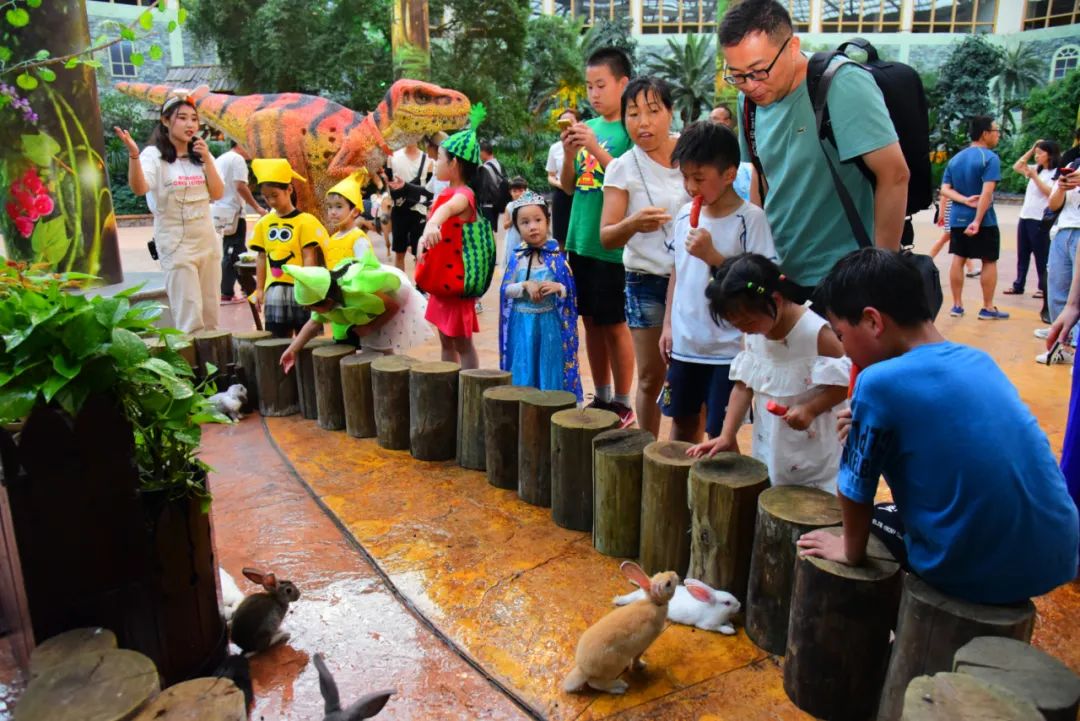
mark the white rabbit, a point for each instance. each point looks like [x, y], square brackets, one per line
[230, 402]
[231, 596]
[695, 604]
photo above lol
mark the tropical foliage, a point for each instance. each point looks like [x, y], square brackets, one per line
[690, 68]
[962, 91]
[1022, 70]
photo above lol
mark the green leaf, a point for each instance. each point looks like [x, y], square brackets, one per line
[137, 59]
[26, 81]
[42, 55]
[146, 20]
[52, 386]
[159, 367]
[46, 74]
[181, 16]
[17, 18]
[68, 370]
[50, 241]
[172, 26]
[83, 334]
[127, 348]
[156, 53]
[95, 64]
[5, 54]
[40, 148]
[127, 34]
[33, 3]
[71, 63]
[16, 404]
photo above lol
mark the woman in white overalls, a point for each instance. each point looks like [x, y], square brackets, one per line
[176, 173]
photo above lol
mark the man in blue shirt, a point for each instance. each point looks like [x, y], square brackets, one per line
[981, 503]
[969, 181]
[808, 223]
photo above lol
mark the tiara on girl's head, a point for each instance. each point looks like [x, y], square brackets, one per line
[529, 197]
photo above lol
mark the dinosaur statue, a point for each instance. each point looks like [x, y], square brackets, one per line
[322, 140]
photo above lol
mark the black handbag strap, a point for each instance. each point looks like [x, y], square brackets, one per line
[749, 122]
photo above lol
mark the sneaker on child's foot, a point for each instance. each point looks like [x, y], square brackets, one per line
[599, 404]
[992, 314]
[625, 414]
[957, 311]
[1042, 333]
[1063, 356]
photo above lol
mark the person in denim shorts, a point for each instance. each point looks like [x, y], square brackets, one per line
[642, 193]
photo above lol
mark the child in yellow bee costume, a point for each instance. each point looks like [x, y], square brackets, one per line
[344, 203]
[283, 236]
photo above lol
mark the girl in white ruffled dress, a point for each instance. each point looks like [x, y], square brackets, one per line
[792, 370]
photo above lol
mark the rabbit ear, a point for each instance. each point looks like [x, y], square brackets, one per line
[633, 571]
[269, 582]
[254, 575]
[699, 590]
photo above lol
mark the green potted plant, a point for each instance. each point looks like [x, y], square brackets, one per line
[108, 498]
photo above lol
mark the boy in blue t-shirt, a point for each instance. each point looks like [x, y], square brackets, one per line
[980, 502]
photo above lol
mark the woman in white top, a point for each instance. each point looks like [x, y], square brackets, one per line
[642, 194]
[177, 175]
[1031, 237]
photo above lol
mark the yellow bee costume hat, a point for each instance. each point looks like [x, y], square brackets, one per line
[350, 190]
[274, 170]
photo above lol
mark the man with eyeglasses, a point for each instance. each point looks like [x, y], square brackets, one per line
[809, 226]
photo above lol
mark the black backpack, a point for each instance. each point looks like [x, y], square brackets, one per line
[494, 187]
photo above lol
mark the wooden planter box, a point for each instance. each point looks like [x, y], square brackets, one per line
[91, 549]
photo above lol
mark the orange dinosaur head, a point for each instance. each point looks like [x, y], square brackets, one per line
[410, 110]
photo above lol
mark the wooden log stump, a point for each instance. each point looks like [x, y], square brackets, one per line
[62, 647]
[200, 699]
[305, 377]
[572, 434]
[277, 390]
[723, 493]
[932, 627]
[838, 635]
[184, 344]
[784, 513]
[501, 434]
[534, 443]
[390, 388]
[957, 697]
[244, 352]
[471, 434]
[106, 685]
[357, 394]
[1023, 670]
[665, 513]
[617, 470]
[213, 347]
[329, 403]
[433, 392]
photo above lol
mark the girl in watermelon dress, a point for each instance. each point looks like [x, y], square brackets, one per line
[457, 249]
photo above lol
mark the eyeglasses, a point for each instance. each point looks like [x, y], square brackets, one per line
[757, 76]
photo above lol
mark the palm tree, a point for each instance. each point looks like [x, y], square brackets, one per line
[1021, 71]
[690, 69]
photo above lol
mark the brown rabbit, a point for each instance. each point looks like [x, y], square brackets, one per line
[616, 642]
[257, 622]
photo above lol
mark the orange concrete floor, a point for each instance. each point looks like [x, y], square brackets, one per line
[423, 577]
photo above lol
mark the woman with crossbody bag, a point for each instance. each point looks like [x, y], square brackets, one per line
[410, 169]
[642, 194]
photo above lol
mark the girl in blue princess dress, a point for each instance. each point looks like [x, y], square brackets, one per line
[538, 340]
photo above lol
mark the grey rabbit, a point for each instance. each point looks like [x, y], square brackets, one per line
[256, 625]
[230, 402]
[365, 707]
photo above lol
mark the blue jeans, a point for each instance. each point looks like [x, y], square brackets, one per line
[1059, 268]
[646, 299]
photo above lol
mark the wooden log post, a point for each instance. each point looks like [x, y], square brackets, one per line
[277, 389]
[357, 394]
[244, 352]
[433, 399]
[723, 493]
[214, 347]
[184, 344]
[665, 513]
[572, 434]
[105, 685]
[957, 697]
[617, 461]
[838, 635]
[784, 513]
[471, 438]
[501, 434]
[534, 443]
[390, 388]
[205, 699]
[63, 646]
[932, 627]
[1025, 671]
[305, 377]
[329, 403]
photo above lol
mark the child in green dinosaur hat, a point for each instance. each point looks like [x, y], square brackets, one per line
[369, 305]
[457, 249]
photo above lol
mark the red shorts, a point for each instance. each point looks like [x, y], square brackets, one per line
[454, 317]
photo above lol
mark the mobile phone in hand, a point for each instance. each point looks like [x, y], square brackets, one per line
[565, 123]
[1053, 351]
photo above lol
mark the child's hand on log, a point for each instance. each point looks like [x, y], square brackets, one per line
[288, 360]
[711, 447]
[820, 544]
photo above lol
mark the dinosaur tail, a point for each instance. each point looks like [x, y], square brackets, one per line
[153, 94]
[211, 106]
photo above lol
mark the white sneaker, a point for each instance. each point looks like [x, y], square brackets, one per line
[1063, 357]
[1042, 333]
